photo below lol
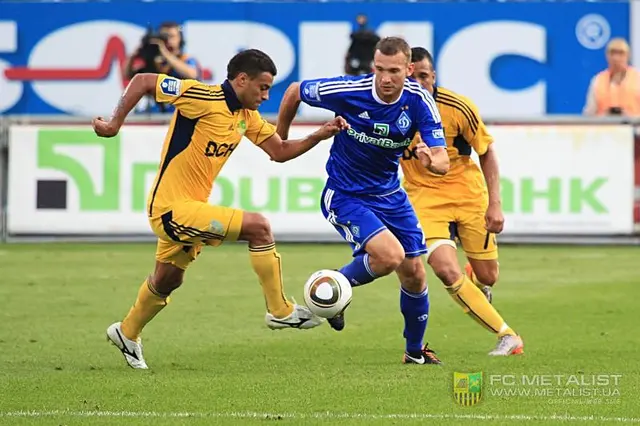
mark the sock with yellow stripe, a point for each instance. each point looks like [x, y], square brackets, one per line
[473, 302]
[267, 264]
[147, 305]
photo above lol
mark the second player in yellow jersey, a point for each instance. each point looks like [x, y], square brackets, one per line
[463, 206]
[208, 125]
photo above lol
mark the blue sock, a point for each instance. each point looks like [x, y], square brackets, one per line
[358, 272]
[415, 309]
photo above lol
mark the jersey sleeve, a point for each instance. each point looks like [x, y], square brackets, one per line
[258, 129]
[191, 97]
[473, 128]
[429, 121]
[327, 93]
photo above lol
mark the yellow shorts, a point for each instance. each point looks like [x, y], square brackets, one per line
[188, 226]
[461, 221]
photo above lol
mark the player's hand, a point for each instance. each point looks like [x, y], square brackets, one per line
[494, 219]
[332, 128]
[424, 154]
[103, 128]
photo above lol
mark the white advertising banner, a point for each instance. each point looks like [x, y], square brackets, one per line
[64, 180]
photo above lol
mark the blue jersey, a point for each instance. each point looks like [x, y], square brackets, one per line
[365, 159]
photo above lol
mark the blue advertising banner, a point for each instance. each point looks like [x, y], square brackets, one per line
[512, 59]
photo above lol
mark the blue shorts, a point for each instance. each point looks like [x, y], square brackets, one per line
[360, 218]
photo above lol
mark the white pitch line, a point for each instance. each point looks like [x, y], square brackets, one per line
[322, 415]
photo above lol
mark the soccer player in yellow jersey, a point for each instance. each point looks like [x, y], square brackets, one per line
[462, 205]
[207, 126]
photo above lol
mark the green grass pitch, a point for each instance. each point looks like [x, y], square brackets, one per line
[213, 361]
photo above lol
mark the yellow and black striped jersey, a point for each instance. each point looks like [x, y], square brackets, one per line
[464, 130]
[207, 126]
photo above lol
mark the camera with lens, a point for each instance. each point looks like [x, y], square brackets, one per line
[359, 58]
[149, 51]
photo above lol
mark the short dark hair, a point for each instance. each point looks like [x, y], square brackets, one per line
[390, 46]
[252, 62]
[420, 53]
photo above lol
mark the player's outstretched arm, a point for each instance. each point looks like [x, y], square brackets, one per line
[140, 85]
[288, 109]
[284, 150]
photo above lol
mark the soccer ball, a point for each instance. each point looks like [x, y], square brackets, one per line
[327, 293]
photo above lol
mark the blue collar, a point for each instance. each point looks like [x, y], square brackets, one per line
[233, 103]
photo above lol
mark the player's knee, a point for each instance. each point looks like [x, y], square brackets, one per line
[256, 229]
[413, 277]
[487, 276]
[447, 272]
[389, 260]
[166, 278]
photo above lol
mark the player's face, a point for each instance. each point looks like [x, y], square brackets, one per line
[390, 72]
[254, 91]
[424, 74]
[173, 38]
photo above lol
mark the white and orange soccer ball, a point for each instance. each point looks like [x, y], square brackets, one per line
[327, 293]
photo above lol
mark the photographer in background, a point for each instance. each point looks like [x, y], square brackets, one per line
[616, 90]
[359, 58]
[162, 52]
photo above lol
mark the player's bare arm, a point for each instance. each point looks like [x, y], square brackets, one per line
[489, 164]
[435, 159]
[284, 150]
[288, 109]
[140, 85]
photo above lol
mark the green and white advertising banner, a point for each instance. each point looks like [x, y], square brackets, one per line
[64, 180]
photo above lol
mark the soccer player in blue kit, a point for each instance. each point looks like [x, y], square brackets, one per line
[362, 198]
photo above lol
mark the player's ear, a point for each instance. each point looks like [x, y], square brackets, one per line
[410, 68]
[242, 79]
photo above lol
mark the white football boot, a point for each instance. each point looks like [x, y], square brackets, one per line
[131, 350]
[508, 345]
[301, 318]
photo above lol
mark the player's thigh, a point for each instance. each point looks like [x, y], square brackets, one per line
[441, 233]
[189, 225]
[397, 214]
[195, 222]
[176, 255]
[476, 241]
[357, 224]
[385, 251]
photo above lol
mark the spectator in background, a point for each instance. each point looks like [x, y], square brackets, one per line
[363, 45]
[162, 53]
[616, 90]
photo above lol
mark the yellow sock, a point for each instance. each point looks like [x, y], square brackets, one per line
[147, 305]
[267, 264]
[474, 303]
